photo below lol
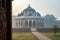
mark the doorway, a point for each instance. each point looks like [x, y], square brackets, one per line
[34, 29]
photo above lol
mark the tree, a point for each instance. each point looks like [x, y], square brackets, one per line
[55, 27]
[50, 20]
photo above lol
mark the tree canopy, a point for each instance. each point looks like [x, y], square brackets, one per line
[50, 19]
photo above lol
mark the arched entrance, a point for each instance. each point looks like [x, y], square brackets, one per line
[30, 23]
[34, 28]
[34, 23]
[26, 23]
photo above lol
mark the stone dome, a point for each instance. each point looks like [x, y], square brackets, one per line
[29, 11]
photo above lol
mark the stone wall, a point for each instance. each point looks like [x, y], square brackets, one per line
[21, 29]
[47, 29]
[38, 29]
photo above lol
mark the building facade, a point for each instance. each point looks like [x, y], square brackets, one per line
[29, 18]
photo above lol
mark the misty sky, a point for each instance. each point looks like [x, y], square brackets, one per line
[42, 6]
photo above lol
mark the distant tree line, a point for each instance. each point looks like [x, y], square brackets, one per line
[51, 20]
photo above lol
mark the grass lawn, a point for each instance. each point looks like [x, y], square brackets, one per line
[52, 36]
[23, 36]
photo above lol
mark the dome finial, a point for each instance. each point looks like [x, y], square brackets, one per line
[29, 5]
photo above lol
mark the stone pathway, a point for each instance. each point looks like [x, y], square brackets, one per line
[40, 36]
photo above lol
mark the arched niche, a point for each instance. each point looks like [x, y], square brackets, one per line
[30, 23]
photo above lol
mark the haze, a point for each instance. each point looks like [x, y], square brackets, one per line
[42, 6]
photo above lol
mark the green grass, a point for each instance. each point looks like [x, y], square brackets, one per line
[52, 36]
[23, 36]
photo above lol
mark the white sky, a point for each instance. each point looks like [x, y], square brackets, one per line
[42, 6]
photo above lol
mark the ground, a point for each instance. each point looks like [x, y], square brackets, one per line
[30, 36]
[52, 36]
[23, 36]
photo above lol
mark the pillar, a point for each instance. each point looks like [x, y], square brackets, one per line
[24, 24]
[15, 23]
[20, 23]
[38, 23]
[28, 23]
[32, 23]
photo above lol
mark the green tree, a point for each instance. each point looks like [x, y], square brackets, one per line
[50, 20]
[55, 27]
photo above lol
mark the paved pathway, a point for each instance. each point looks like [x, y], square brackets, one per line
[40, 36]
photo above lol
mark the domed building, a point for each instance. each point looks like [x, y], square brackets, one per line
[29, 18]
